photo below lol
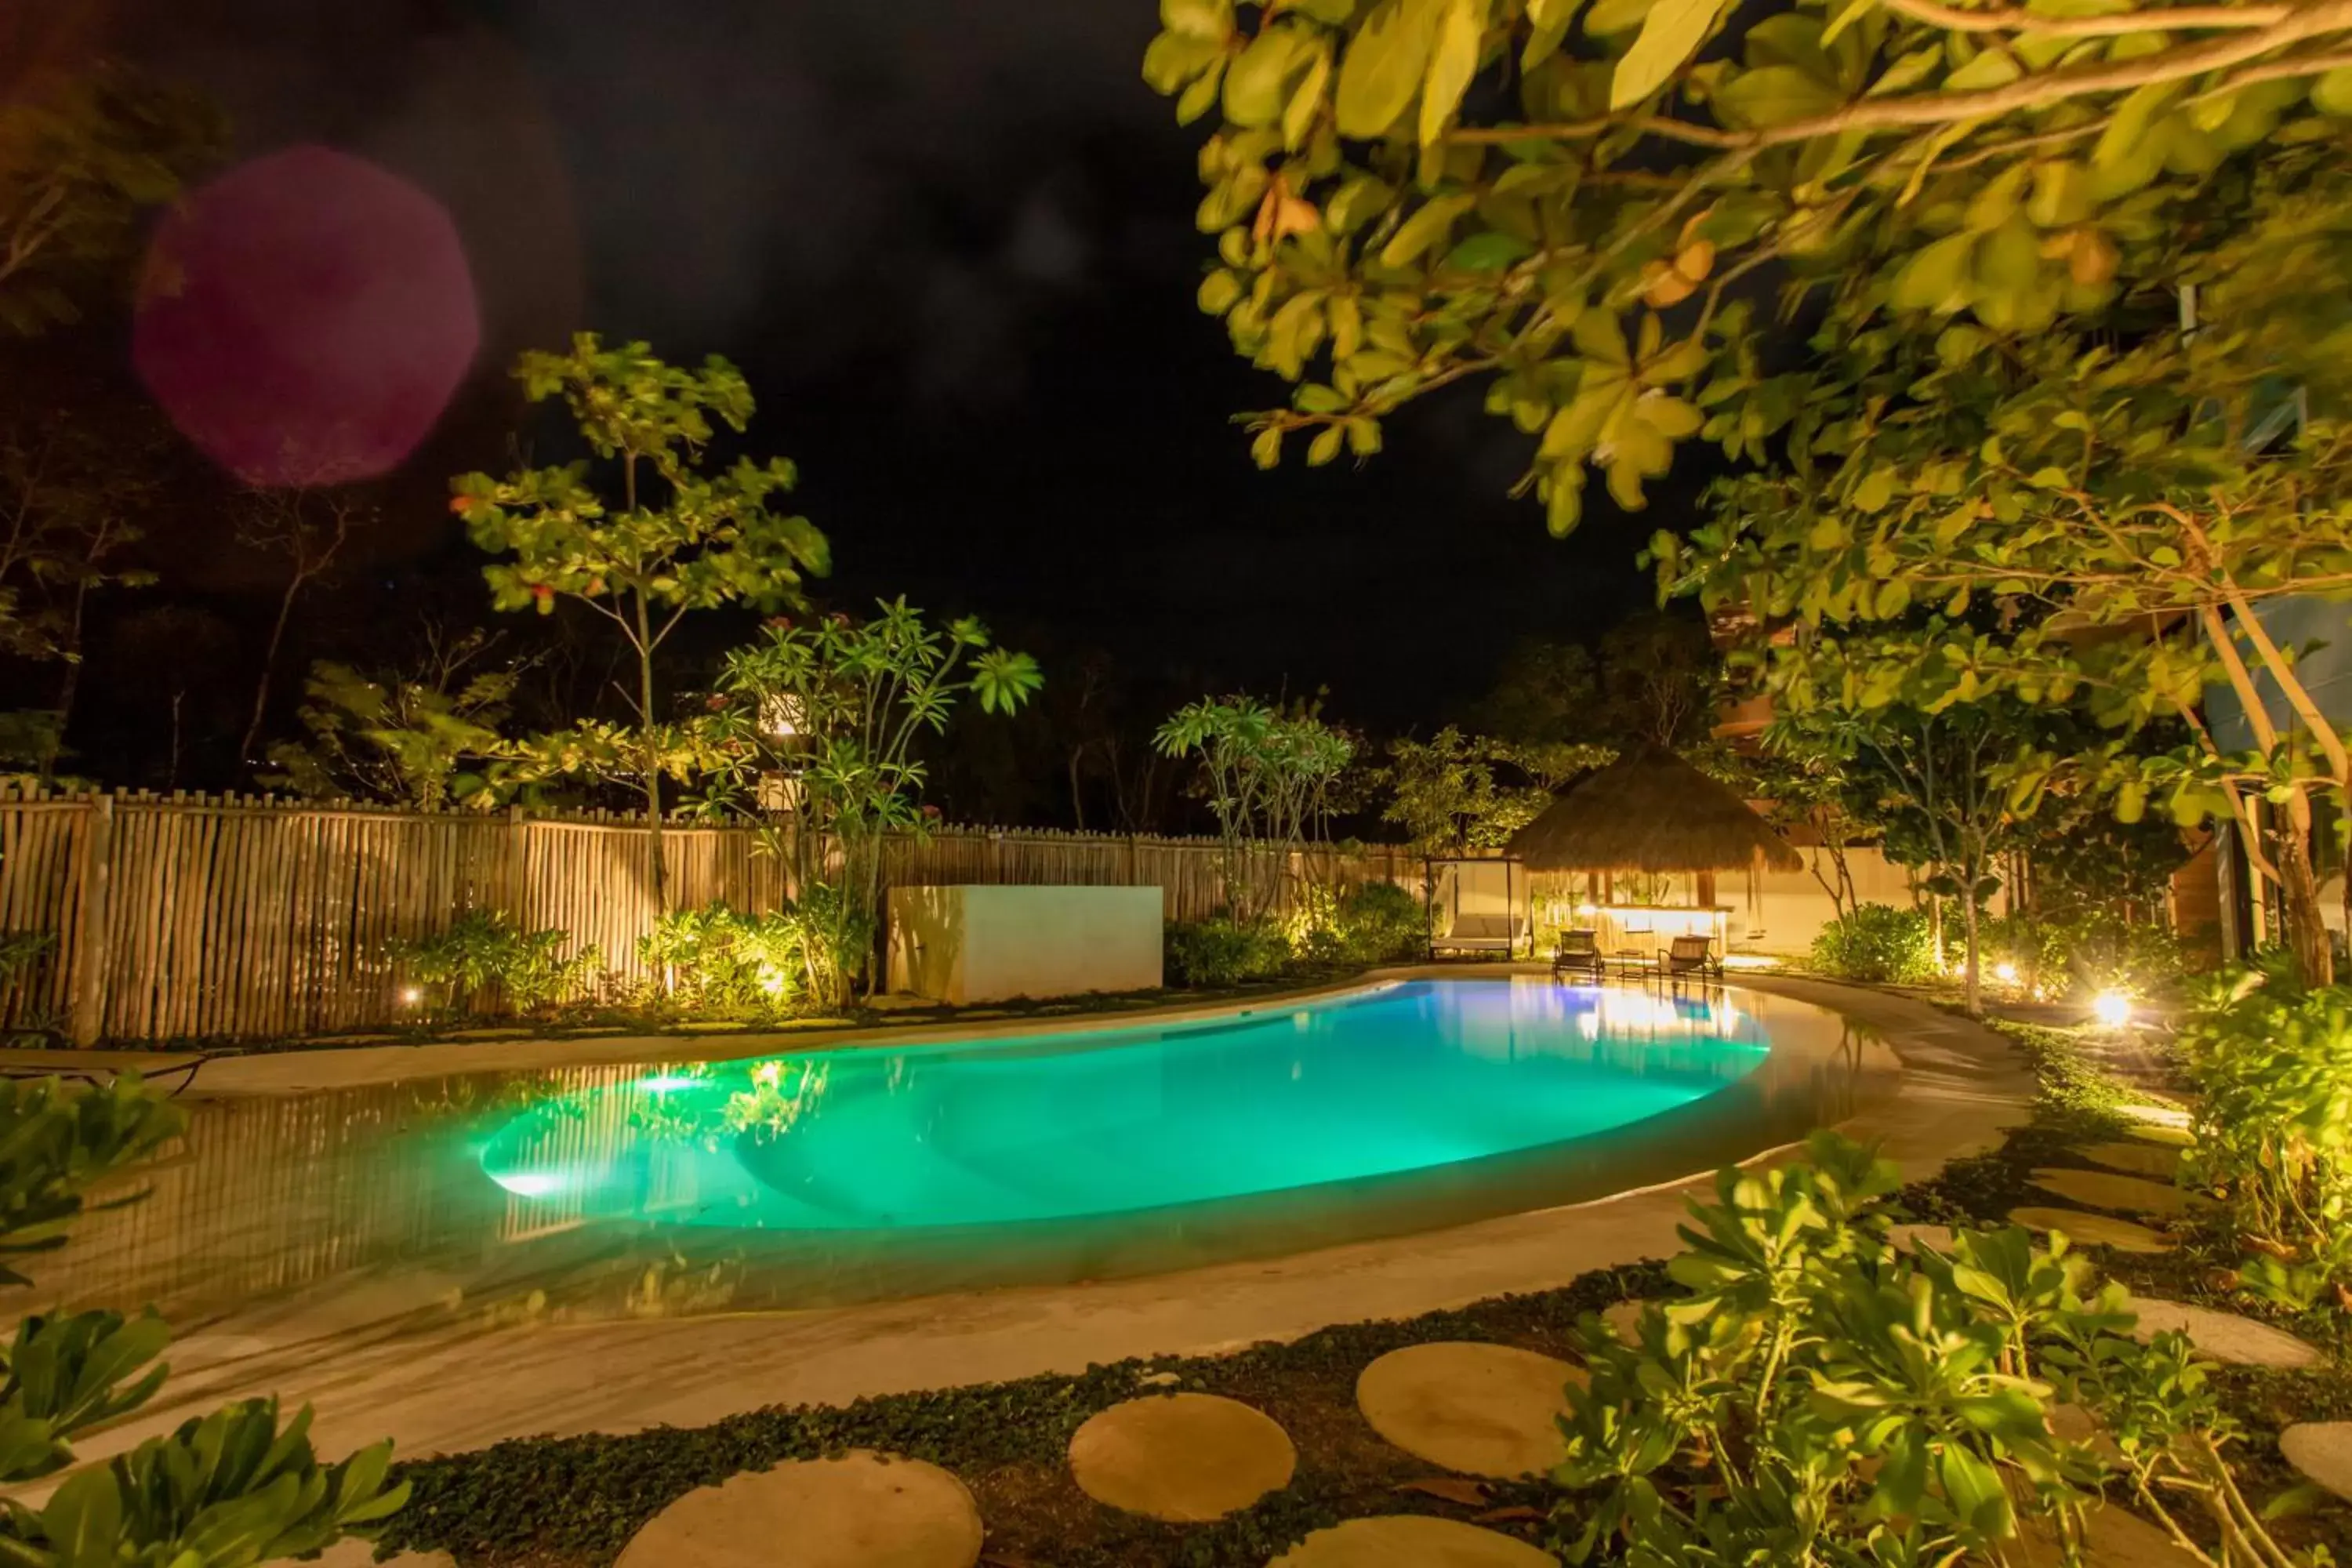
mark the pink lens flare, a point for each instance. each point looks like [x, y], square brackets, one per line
[306, 318]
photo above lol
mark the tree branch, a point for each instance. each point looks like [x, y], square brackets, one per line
[2016, 19]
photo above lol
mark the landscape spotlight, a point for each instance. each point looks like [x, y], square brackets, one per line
[2113, 1010]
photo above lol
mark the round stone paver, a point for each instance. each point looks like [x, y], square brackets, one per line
[1411, 1541]
[2111, 1538]
[2093, 1229]
[361, 1554]
[1904, 1237]
[1183, 1457]
[2224, 1336]
[2322, 1450]
[2133, 1194]
[1625, 1321]
[861, 1510]
[1484, 1410]
[2158, 1162]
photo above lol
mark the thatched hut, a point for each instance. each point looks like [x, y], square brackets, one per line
[1635, 847]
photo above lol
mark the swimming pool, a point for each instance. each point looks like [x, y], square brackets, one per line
[1411, 1078]
[883, 1169]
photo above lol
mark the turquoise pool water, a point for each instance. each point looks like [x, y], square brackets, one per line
[1417, 1077]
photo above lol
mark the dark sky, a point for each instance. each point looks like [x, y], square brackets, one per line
[951, 245]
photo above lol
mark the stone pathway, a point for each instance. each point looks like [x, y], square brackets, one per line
[2322, 1450]
[2158, 1162]
[1411, 1541]
[1904, 1237]
[2224, 1336]
[361, 1554]
[861, 1510]
[1484, 1410]
[1182, 1457]
[2111, 1538]
[2104, 1190]
[2093, 1229]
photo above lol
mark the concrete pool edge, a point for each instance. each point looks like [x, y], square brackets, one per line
[458, 1390]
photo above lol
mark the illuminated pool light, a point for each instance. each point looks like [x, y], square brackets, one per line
[665, 1083]
[532, 1183]
[2113, 1010]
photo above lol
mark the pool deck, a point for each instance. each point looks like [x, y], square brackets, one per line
[454, 1390]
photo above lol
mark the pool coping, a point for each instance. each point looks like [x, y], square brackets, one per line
[1963, 1086]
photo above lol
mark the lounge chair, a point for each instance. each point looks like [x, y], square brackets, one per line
[1578, 953]
[1690, 955]
[1482, 933]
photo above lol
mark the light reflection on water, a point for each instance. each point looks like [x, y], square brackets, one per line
[886, 1172]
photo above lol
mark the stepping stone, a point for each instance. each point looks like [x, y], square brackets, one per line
[2132, 1194]
[2322, 1450]
[1904, 1237]
[2093, 1229]
[2156, 1160]
[1411, 1541]
[2111, 1538]
[1484, 1410]
[361, 1554]
[2224, 1336]
[1183, 1457]
[861, 1510]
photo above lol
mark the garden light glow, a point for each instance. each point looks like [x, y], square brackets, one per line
[2113, 1010]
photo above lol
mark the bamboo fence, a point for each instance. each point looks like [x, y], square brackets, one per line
[195, 917]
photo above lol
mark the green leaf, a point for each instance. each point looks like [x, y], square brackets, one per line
[1210, 19]
[1773, 96]
[1325, 445]
[1202, 96]
[1307, 98]
[1265, 449]
[2122, 137]
[1384, 65]
[1993, 68]
[1489, 252]
[1258, 84]
[1876, 488]
[1550, 20]
[1608, 17]
[84, 1520]
[1427, 227]
[1218, 292]
[1452, 64]
[2331, 93]
[1670, 34]
[1935, 279]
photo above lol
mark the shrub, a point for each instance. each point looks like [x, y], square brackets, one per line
[1820, 1395]
[2269, 1063]
[1220, 950]
[1381, 922]
[1879, 943]
[716, 961]
[485, 949]
[2078, 955]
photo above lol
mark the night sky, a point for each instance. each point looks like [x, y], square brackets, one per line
[952, 246]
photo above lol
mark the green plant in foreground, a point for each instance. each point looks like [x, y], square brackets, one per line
[485, 949]
[1822, 1396]
[2269, 1063]
[226, 1490]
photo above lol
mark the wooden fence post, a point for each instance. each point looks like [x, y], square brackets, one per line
[91, 918]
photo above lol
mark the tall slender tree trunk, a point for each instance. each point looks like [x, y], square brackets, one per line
[268, 668]
[2306, 922]
[1972, 980]
[654, 856]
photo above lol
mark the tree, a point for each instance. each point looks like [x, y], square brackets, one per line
[1657, 681]
[224, 1491]
[84, 157]
[1804, 784]
[1408, 194]
[1269, 773]
[1544, 693]
[834, 707]
[310, 528]
[1454, 792]
[404, 737]
[677, 539]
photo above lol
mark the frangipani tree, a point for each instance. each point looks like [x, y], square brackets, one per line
[1269, 776]
[1561, 200]
[675, 538]
[837, 706]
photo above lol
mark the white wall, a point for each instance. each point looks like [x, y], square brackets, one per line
[989, 943]
[1782, 911]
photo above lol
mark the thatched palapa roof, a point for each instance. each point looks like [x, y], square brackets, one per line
[1650, 811]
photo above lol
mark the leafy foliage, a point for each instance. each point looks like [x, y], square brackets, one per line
[1879, 944]
[2076, 955]
[2269, 1062]
[1269, 776]
[1221, 951]
[720, 964]
[1453, 792]
[224, 1491]
[483, 951]
[1819, 1395]
[1374, 922]
[425, 738]
[675, 540]
[832, 709]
